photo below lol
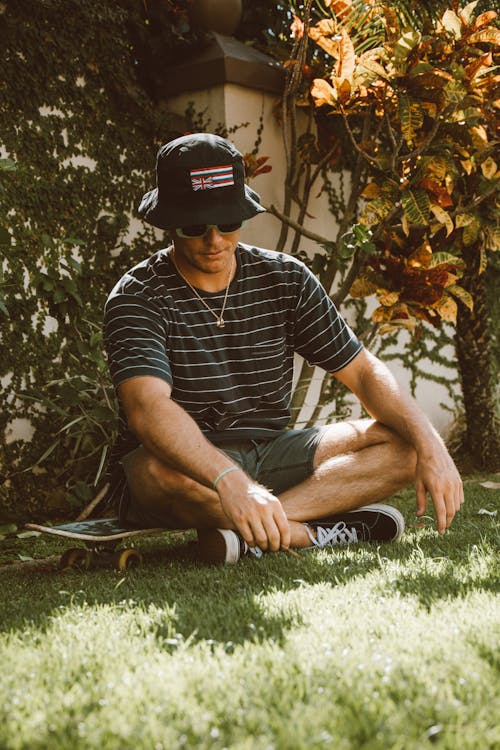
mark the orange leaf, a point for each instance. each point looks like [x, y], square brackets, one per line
[475, 67]
[372, 190]
[421, 257]
[297, 28]
[484, 19]
[322, 92]
[442, 196]
[344, 67]
[489, 35]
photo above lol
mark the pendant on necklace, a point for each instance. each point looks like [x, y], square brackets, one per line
[220, 323]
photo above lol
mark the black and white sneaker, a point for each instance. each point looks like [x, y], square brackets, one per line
[223, 546]
[370, 523]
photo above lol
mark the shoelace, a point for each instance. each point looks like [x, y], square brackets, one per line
[255, 551]
[331, 535]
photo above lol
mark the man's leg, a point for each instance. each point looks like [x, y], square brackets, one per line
[356, 463]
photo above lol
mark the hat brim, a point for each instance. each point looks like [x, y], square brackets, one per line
[206, 207]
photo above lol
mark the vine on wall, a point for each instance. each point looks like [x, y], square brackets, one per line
[78, 141]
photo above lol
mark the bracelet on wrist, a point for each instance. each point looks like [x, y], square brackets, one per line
[223, 474]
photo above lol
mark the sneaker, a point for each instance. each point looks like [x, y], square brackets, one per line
[370, 523]
[223, 546]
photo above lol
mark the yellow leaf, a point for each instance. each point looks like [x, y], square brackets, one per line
[369, 68]
[322, 33]
[443, 217]
[398, 323]
[461, 294]
[406, 225]
[452, 23]
[489, 35]
[479, 136]
[421, 257]
[372, 190]
[468, 166]
[362, 287]
[387, 299]
[322, 92]
[492, 239]
[483, 260]
[471, 232]
[381, 315]
[447, 309]
[463, 220]
[467, 12]
[344, 67]
[489, 168]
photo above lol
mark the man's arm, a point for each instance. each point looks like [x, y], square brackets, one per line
[384, 399]
[171, 435]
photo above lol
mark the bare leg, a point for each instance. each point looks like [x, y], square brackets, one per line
[356, 463]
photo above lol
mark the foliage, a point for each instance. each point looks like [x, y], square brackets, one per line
[420, 109]
[72, 171]
[401, 139]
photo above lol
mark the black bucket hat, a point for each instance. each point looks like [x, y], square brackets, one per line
[200, 180]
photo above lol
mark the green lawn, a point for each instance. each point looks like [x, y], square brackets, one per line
[383, 648]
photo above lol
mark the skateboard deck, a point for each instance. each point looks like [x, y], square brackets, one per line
[101, 536]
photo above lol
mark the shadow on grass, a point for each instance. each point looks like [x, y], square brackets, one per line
[226, 604]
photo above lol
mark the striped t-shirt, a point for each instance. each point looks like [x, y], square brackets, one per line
[234, 381]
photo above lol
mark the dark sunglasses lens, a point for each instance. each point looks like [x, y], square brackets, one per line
[195, 230]
[229, 228]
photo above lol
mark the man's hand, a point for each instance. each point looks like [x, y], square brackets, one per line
[437, 475]
[256, 513]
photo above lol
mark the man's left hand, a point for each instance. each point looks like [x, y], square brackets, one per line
[437, 475]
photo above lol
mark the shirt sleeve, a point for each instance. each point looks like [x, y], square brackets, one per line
[135, 338]
[322, 336]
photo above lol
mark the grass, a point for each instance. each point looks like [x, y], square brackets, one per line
[379, 648]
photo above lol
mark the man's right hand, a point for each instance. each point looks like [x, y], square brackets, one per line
[256, 513]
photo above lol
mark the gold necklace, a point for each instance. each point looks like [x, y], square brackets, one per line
[219, 318]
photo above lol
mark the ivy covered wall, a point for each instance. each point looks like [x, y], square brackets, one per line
[78, 141]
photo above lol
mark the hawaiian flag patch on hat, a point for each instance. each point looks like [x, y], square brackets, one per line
[208, 178]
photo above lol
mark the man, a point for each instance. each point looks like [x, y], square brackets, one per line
[200, 340]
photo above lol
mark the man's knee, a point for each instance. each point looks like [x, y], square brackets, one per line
[147, 474]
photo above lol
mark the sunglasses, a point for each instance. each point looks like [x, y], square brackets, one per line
[195, 231]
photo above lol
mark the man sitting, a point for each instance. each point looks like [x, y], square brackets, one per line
[201, 338]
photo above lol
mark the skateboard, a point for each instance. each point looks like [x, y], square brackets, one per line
[101, 537]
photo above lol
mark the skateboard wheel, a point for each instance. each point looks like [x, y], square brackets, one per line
[76, 557]
[127, 558]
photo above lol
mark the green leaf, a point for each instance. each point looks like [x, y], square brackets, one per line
[455, 93]
[359, 237]
[416, 205]
[471, 232]
[411, 118]
[462, 294]
[405, 44]
[375, 211]
[8, 165]
[8, 528]
[438, 259]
